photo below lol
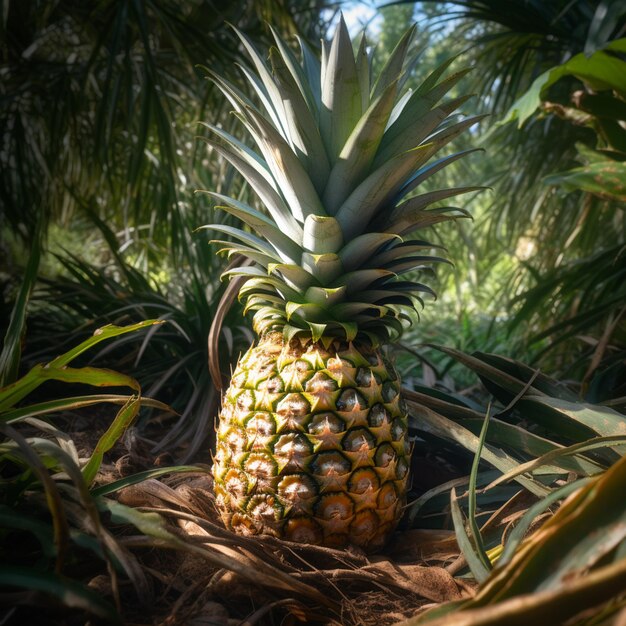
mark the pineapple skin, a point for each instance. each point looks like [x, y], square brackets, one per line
[312, 444]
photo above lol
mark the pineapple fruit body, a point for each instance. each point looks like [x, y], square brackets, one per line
[312, 439]
[312, 444]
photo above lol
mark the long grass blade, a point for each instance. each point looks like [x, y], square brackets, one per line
[139, 477]
[115, 431]
[12, 344]
[39, 374]
[437, 424]
[479, 546]
[554, 456]
[523, 525]
[72, 403]
[475, 562]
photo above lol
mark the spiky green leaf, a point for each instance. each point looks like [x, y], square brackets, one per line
[341, 95]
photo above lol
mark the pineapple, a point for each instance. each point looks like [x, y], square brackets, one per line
[312, 442]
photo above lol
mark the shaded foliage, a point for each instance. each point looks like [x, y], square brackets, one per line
[515, 40]
[51, 524]
[99, 105]
[87, 139]
[99, 122]
[557, 204]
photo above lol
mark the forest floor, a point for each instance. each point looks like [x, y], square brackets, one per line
[201, 574]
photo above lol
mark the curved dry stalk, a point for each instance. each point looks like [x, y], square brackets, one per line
[252, 569]
[226, 301]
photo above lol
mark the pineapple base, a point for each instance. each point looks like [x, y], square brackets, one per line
[312, 444]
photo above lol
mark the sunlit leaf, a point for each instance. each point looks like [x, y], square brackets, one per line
[112, 435]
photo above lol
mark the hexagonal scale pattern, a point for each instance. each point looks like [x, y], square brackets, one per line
[312, 444]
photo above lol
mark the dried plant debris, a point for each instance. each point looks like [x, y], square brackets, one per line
[269, 581]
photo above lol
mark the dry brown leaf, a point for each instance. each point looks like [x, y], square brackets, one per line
[423, 545]
[136, 496]
[429, 582]
[441, 586]
[308, 583]
[199, 499]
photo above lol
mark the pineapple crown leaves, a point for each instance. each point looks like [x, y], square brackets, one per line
[336, 153]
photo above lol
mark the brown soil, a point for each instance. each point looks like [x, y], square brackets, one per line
[200, 574]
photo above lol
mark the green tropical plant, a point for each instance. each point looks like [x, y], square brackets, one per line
[536, 448]
[50, 523]
[586, 296]
[562, 572]
[99, 100]
[115, 125]
[532, 417]
[312, 435]
[559, 65]
[171, 361]
[16, 322]
[515, 40]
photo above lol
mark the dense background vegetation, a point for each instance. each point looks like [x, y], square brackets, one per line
[100, 160]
